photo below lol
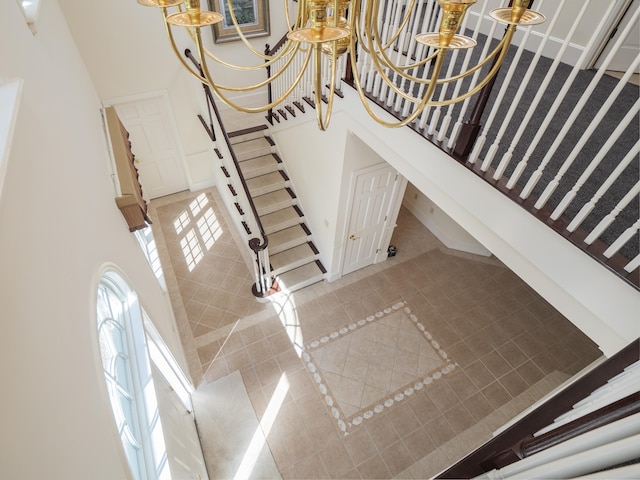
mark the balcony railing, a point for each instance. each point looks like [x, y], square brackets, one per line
[560, 139]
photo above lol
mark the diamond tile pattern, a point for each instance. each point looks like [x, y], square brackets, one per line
[501, 335]
[373, 363]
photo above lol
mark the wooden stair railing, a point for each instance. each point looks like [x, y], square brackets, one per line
[259, 244]
[516, 441]
[460, 149]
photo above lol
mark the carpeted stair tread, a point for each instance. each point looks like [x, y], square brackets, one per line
[300, 277]
[292, 258]
[245, 135]
[257, 166]
[252, 148]
[272, 202]
[263, 184]
[287, 238]
[280, 219]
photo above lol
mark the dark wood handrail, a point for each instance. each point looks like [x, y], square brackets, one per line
[279, 44]
[256, 244]
[268, 50]
[481, 460]
[531, 445]
[462, 147]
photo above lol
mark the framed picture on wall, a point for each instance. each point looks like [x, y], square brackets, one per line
[252, 17]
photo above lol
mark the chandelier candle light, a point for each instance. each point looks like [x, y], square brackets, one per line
[331, 28]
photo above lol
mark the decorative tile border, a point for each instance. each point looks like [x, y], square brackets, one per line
[344, 423]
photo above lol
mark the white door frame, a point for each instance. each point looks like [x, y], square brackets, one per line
[605, 35]
[164, 96]
[392, 212]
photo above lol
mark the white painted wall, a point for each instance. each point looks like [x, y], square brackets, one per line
[315, 168]
[595, 10]
[320, 169]
[598, 302]
[126, 51]
[440, 224]
[59, 226]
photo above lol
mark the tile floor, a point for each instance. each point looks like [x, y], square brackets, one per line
[466, 348]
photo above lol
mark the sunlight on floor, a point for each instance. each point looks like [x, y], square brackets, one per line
[208, 230]
[285, 307]
[259, 439]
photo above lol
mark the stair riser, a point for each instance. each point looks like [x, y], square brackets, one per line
[250, 153]
[247, 136]
[281, 226]
[303, 284]
[263, 190]
[250, 173]
[274, 207]
[285, 268]
[277, 247]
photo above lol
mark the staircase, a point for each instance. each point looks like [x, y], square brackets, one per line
[294, 258]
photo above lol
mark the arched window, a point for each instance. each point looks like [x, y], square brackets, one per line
[127, 372]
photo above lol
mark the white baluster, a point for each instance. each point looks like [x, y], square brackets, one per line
[556, 104]
[473, 157]
[477, 148]
[608, 220]
[627, 235]
[578, 108]
[524, 84]
[568, 198]
[551, 187]
[410, 48]
[421, 52]
[590, 205]
[633, 264]
[433, 126]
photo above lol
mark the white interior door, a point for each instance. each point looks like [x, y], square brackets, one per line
[630, 49]
[373, 195]
[154, 142]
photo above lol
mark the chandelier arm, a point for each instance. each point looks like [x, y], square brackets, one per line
[511, 29]
[172, 42]
[317, 83]
[287, 48]
[192, 34]
[241, 34]
[248, 88]
[378, 65]
[499, 48]
[386, 61]
[227, 101]
[421, 105]
[405, 20]
[440, 53]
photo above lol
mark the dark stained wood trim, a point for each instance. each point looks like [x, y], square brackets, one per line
[472, 465]
[244, 131]
[256, 244]
[624, 407]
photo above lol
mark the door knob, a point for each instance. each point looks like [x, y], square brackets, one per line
[352, 237]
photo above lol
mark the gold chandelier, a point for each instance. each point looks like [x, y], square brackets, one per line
[331, 28]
